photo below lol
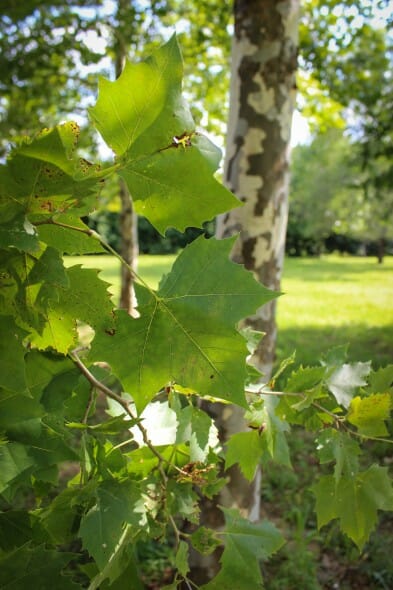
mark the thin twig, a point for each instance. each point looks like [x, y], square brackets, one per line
[338, 419]
[89, 404]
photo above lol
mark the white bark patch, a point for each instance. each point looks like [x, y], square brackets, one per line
[285, 118]
[262, 101]
[253, 142]
[291, 19]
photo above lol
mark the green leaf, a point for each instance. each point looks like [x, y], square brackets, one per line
[14, 462]
[20, 417]
[142, 116]
[205, 540]
[354, 501]
[381, 381]
[182, 500]
[245, 545]
[262, 416]
[344, 381]
[181, 559]
[35, 567]
[60, 517]
[19, 234]
[175, 188]
[368, 414]
[118, 504]
[42, 178]
[69, 241]
[186, 334]
[246, 449]
[144, 106]
[122, 572]
[30, 283]
[12, 351]
[305, 379]
[197, 428]
[341, 448]
[42, 368]
[15, 529]
[86, 299]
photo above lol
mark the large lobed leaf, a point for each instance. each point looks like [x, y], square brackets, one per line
[118, 504]
[354, 500]
[166, 164]
[246, 544]
[187, 331]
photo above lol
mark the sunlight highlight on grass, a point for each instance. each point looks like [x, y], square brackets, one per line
[337, 300]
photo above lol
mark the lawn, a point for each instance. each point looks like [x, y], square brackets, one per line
[327, 301]
[337, 300]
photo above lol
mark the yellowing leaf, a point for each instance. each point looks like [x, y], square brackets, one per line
[369, 413]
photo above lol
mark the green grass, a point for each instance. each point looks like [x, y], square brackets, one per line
[337, 300]
[327, 301]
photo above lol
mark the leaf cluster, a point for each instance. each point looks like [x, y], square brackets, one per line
[103, 444]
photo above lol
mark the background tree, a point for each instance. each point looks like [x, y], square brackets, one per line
[42, 46]
[323, 183]
[353, 67]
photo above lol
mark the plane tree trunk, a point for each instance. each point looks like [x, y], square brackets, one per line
[262, 98]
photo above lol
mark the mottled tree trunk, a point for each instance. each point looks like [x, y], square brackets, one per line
[262, 97]
[128, 219]
[264, 61]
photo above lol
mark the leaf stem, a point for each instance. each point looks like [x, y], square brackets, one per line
[126, 406]
[338, 419]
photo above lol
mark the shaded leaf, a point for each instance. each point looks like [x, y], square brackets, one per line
[354, 501]
[20, 234]
[205, 540]
[181, 559]
[35, 567]
[118, 505]
[245, 544]
[246, 449]
[341, 448]
[14, 462]
[12, 351]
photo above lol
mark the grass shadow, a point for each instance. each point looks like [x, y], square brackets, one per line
[311, 342]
